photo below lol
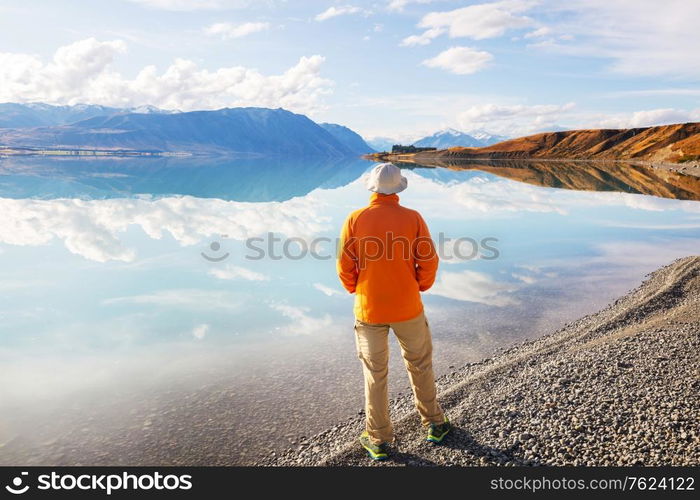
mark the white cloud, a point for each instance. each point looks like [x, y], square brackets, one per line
[496, 112]
[472, 286]
[501, 198]
[302, 323]
[82, 73]
[481, 21]
[539, 32]
[188, 298]
[200, 331]
[647, 118]
[423, 39]
[231, 272]
[519, 119]
[227, 31]
[93, 229]
[327, 290]
[331, 12]
[398, 5]
[460, 60]
[190, 5]
[513, 119]
[496, 197]
[640, 38]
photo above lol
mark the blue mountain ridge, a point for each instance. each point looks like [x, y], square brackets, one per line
[229, 131]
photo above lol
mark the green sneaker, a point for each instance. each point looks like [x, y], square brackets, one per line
[375, 451]
[437, 432]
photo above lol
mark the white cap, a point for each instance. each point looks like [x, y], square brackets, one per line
[386, 178]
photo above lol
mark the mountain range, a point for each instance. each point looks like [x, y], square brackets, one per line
[450, 138]
[442, 139]
[228, 131]
[351, 139]
[669, 143]
[38, 114]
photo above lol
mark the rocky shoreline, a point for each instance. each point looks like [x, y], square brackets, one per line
[619, 387]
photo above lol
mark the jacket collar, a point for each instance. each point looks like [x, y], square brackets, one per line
[383, 199]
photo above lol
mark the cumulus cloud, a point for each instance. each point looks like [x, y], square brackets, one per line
[93, 229]
[460, 60]
[331, 12]
[302, 323]
[81, 73]
[230, 272]
[190, 5]
[472, 286]
[227, 31]
[478, 22]
[513, 119]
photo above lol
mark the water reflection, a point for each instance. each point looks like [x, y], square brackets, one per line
[108, 295]
[585, 175]
[257, 180]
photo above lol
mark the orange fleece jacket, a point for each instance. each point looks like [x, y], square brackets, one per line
[386, 258]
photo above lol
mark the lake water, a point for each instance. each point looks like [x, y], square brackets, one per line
[158, 311]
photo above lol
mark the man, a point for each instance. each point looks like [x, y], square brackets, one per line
[386, 259]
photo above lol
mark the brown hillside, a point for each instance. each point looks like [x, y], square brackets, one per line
[666, 143]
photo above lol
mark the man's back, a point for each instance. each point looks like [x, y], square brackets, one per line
[387, 258]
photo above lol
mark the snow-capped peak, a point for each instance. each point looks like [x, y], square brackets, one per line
[487, 137]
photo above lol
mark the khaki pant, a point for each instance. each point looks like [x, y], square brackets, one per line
[417, 351]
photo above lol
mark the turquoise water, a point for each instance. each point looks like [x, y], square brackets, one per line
[116, 271]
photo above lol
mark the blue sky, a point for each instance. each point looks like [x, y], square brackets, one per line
[397, 68]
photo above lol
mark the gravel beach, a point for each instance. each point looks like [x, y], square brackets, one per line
[619, 387]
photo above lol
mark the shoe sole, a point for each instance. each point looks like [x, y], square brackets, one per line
[436, 440]
[373, 455]
[376, 458]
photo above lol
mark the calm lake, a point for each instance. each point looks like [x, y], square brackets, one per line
[160, 311]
